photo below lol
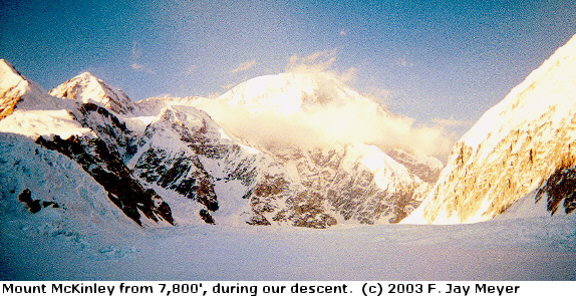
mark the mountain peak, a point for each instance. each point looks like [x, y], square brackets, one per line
[556, 75]
[12, 87]
[17, 91]
[86, 87]
[287, 93]
[4, 64]
[9, 76]
[87, 75]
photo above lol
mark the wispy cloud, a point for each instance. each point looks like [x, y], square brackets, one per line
[136, 54]
[191, 70]
[403, 62]
[136, 50]
[450, 122]
[354, 119]
[349, 75]
[317, 61]
[244, 66]
[331, 122]
[320, 61]
[381, 95]
[142, 68]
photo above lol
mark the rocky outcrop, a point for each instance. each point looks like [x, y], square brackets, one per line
[108, 127]
[331, 188]
[560, 190]
[12, 87]
[9, 101]
[169, 156]
[106, 167]
[34, 206]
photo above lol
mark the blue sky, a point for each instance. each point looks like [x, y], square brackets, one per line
[425, 59]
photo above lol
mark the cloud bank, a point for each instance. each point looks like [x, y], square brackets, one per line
[142, 68]
[316, 109]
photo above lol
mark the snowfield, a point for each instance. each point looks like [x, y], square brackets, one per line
[539, 248]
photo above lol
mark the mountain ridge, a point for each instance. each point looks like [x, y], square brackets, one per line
[187, 168]
[513, 149]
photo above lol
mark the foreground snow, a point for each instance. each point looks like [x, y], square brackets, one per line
[540, 248]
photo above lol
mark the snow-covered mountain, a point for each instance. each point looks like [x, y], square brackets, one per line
[88, 88]
[264, 177]
[526, 143]
[330, 171]
[222, 161]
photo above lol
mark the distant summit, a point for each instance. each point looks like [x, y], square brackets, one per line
[12, 87]
[292, 92]
[17, 92]
[88, 88]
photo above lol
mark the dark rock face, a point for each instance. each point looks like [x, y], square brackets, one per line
[106, 167]
[10, 96]
[180, 170]
[108, 128]
[258, 219]
[181, 173]
[560, 189]
[326, 188]
[34, 206]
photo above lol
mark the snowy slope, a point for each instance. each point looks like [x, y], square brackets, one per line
[16, 92]
[512, 149]
[184, 151]
[87, 238]
[521, 249]
[51, 177]
[26, 109]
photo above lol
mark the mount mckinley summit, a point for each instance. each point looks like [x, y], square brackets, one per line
[270, 152]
